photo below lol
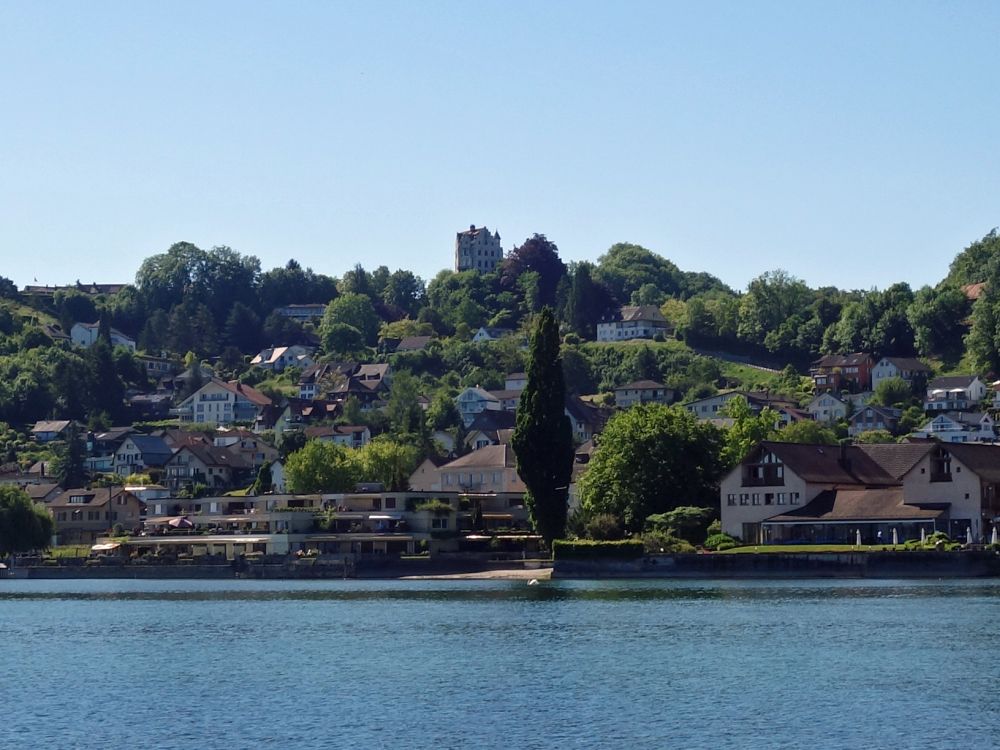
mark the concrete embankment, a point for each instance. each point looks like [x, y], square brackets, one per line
[790, 565]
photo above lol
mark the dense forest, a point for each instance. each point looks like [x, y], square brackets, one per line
[219, 306]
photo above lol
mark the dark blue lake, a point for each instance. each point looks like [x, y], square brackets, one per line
[497, 664]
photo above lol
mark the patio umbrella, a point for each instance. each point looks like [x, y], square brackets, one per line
[895, 537]
[181, 522]
[993, 537]
[968, 535]
[858, 537]
[923, 535]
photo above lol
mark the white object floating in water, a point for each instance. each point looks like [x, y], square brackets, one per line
[533, 582]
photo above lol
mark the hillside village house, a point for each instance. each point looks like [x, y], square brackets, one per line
[413, 344]
[959, 427]
[474, 400]
[85, 334]
[491, 333]
[642, 392]
[277, 358]
[909, 369]
[585, 419]
[222, 403]
[137, 454]
[215, 467]
[819, 493]
[47, 430]
[955, 393]
[633, 322]
[82, 515]
[157, 367]
[827, 408]
[871, 417]
[712, 408]
[489, 469]
[302, 313]
[347, 435]
[842, 372]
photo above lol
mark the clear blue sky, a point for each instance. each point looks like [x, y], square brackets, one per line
[853, 144]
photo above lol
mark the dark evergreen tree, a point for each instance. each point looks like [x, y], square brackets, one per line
[67, 466]
[543, 438]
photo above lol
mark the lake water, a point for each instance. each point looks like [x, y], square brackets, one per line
[496, 664]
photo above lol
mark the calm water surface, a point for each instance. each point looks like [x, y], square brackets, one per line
[495, 664]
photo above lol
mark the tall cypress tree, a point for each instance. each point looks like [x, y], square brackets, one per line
[543, 437]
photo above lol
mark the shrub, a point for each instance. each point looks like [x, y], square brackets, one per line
[434, 505]
[603, 527]
[584, 549]
[715, 527]
[656, 542]
[720, 542]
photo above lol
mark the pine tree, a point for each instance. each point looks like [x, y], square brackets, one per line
[543, 438]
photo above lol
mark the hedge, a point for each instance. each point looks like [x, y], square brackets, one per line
[585, 549]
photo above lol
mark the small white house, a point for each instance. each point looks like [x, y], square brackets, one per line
[277, 358]
[633, 322]
[828, 408]
[86, 334]
[959, 427]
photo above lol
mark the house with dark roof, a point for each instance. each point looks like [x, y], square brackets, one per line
[913, 371]
[872, 417]
[955, 393]
[82, 515]
[137, 454]
[819, 493]
[842, 372]
[47, 430]
[633, 322]
[217, 468]
[642, 392]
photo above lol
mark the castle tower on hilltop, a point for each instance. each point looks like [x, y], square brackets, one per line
[477, 250]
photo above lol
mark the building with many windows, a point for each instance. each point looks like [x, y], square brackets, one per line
[477, 250]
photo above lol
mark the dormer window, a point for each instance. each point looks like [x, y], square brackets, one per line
[766, 471]
[941, 466]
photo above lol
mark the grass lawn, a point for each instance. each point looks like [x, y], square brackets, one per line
[812, 548]
[70, 550]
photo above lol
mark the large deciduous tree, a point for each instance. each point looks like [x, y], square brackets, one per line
[543, 438]
[653, 459]
[541, 256]
[23, 527]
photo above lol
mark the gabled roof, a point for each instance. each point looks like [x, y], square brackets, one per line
[951, 381]
[857, 504]
[252, 395]
[907, 363]
[51, 425]
[641, 385]
[587, 413]
[154, 449]
[482, 393]
[506, 394]
[490, 457]
[372, 371]
[982, 458]
[40, 491]
[886, 411]
[842, 360]
[495, 332]
[211, 455]
[492, 420]
[95, 497]
[413, 343]
[897, 459]
[321, 431]
[636, 313]
[828, 464]
[828, 394]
